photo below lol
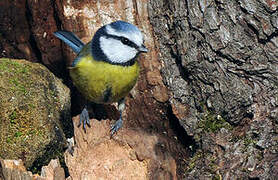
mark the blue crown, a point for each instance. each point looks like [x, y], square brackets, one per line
[124, 26]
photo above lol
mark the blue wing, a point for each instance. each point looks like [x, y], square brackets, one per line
[71, 40]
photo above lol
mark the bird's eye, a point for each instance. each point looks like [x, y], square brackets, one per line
[125, 41]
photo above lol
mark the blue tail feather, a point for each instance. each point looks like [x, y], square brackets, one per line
[70, 39]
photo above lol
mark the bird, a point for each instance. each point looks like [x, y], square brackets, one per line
[106, 68]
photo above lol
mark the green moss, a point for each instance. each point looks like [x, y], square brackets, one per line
[213, 167]
[195, 159]
[17, 134]
[213, 123]
[211, 163]
[249, 141]
[17, 74]
[8, 140]
[29, 113]
[12, 117]
[8, 65]
[17, 86]
[19, 96]
[31, 106]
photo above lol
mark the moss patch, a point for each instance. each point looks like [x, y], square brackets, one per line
[213, 123]
[31, 107]
[199, 159]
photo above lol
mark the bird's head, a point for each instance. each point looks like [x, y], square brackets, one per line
[118, 43]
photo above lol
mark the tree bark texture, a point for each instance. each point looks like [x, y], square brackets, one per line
[220, 64]
[27, 32]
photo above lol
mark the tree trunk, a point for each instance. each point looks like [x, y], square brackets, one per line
[220, 63]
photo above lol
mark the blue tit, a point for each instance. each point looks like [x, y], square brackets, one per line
[106, 69]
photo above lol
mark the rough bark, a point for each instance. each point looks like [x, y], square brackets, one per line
[146, 107]
[26, 32]
[220, 63]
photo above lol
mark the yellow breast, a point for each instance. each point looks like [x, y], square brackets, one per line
[101, 82]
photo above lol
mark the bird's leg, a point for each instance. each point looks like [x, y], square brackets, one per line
[119, 122]
[84, 118]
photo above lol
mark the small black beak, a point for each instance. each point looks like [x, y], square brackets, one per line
[143, 49]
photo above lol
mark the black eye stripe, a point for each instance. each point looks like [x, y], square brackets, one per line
[124, 40]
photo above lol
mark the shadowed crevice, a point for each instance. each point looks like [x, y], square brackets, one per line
[32, 39]
[187, 141]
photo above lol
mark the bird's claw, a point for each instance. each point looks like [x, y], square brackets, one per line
[116, 126]
[85, 119]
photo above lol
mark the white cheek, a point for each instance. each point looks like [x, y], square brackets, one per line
[116, 51]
